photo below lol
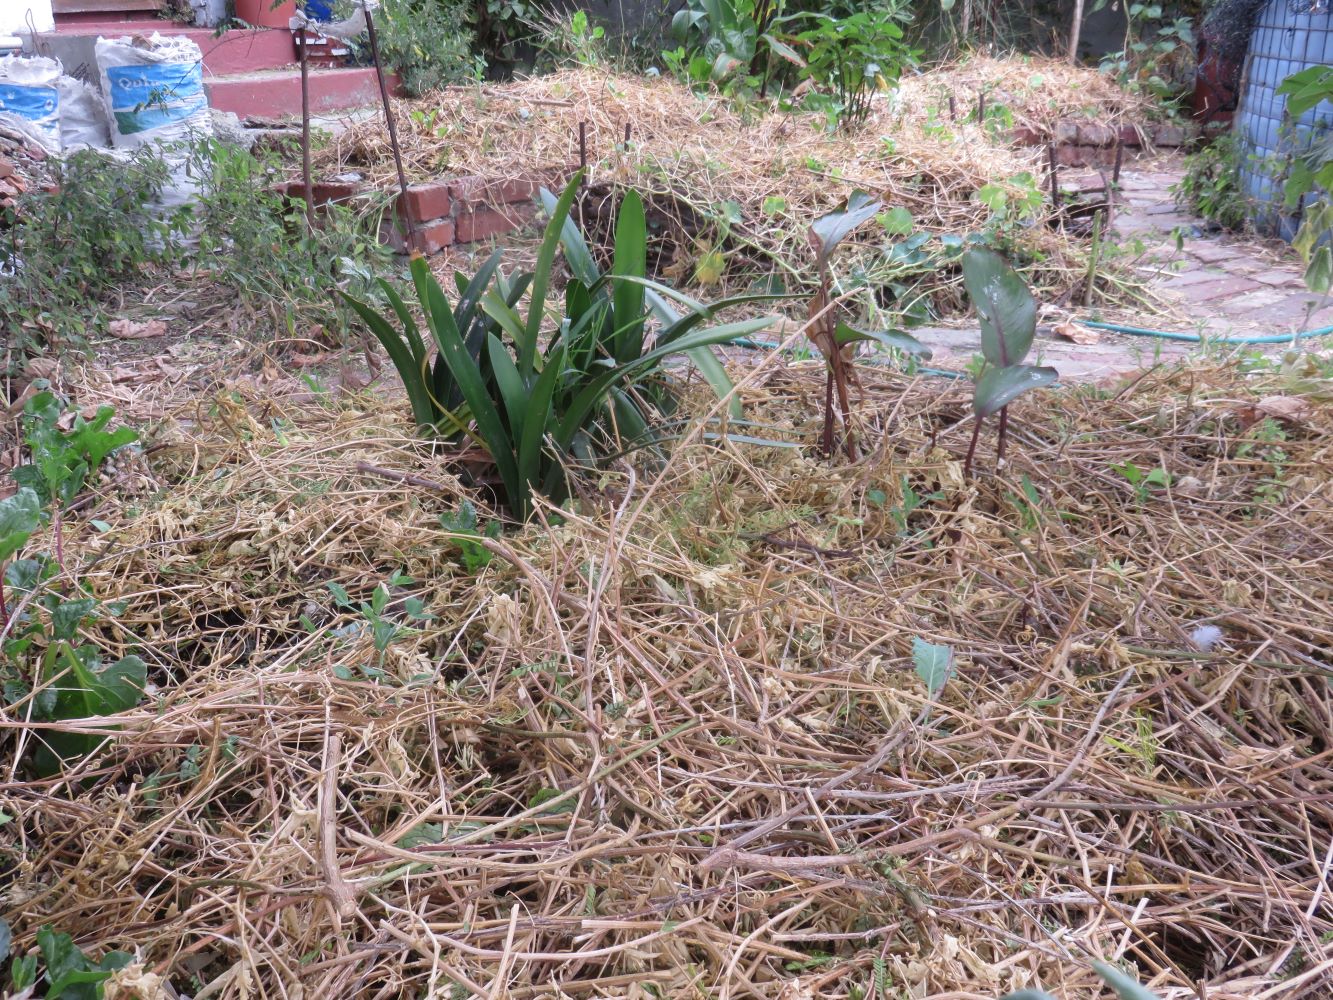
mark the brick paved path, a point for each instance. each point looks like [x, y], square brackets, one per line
[1215, 284]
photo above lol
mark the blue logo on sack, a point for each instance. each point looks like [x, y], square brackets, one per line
[32, 103]
[148, 97]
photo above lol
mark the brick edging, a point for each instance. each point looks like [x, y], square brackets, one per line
[449, 210]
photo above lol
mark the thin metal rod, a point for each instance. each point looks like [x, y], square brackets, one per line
[406, 213]
[305, 131]
[1054, 169]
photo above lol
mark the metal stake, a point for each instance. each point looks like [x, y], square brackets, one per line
[1055, 176]
[305, 132]
[411, 229]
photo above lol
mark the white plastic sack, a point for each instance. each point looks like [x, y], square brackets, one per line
[154, 90]
[82, 117]
[30, 99]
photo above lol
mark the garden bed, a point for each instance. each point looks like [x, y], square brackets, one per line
[680, 741]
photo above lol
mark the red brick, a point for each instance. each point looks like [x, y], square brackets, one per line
[1129, 136]
[1073, 156]
[474, 190]
[468, 190]
[435, 236]
[328, 192]
[1170, 136]
[428, 201]
[487, 222]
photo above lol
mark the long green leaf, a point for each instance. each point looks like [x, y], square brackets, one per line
[410, 331]
[595, 391]
[505, 314]
[423, 410]
[998, 387]
[434, 303]
[631, 261]
[541, 275]
[717, 378]
[896, 339]
[577, 255]
[1005, 307]
[484, 412]
[538, 421]
[704, 359]
[465, 312]
[512, 390]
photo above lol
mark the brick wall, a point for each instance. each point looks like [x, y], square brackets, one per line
[450, 210]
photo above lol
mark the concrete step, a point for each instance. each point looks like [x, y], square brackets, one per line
[235, 51]
[277, 93]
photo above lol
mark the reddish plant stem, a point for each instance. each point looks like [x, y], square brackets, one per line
[972, 448]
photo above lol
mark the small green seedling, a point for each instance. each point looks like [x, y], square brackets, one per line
[1144, 481]
[1008, 316]
[463, 527]
[383, 629]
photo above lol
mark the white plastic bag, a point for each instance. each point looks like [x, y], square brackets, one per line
[30, 99]
[83, 122]
[154, 90]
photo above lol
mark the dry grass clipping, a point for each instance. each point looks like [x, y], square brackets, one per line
[674, 746]
[1038, 92]
[745, 181]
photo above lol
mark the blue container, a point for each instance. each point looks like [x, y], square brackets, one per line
[1290, 35]
[320, 10]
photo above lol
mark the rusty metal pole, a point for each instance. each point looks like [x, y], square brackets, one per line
[406, 214]
[305, 132]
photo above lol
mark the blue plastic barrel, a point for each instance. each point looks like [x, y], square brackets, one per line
[1290, 35]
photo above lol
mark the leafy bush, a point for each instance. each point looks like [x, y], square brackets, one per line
[1312, 174]
[540, 399]
[851, 57]
[97, 229]
[1211, 185]
[428, 43]
[48, 673]
[723, 40]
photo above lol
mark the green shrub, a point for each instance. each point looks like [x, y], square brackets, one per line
[428, 43]
[851, 57]
[73, 245]
[1211, 185]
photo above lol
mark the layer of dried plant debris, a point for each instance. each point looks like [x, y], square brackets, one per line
[732, 190]
[670, 742]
